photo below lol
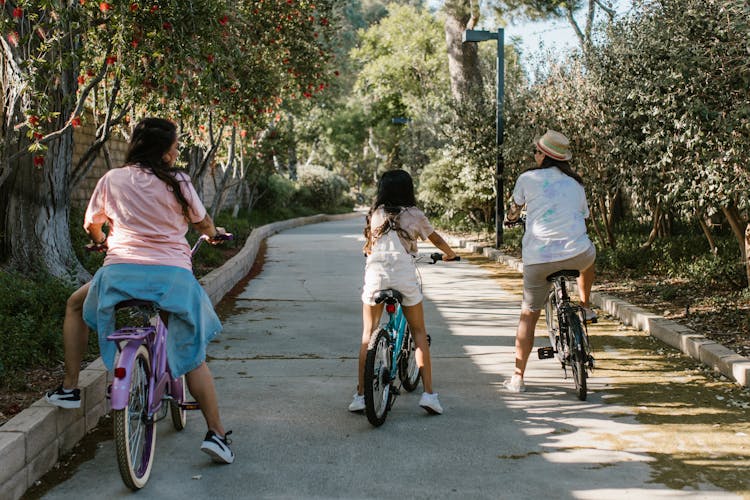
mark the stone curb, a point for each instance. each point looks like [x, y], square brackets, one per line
[32, 441]
[716, 356]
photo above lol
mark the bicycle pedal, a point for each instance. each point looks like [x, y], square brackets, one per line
[429, 340]
[545, 352]
[190, 405]
[395, 390]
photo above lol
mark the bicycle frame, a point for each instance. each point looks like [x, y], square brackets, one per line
[161, 380]
[396, 327]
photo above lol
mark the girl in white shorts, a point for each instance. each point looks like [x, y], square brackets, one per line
[392, 227]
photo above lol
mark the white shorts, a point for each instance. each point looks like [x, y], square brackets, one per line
[399, 275]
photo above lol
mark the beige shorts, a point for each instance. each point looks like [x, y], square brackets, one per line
[535, 284]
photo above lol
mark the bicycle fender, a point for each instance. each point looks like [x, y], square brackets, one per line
[120, 393]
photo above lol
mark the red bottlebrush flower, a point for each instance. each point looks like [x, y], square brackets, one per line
[154, 9]
[38, 135]
[216, 100]
[134, 43]
[336, 73]
[290, 2]
[90, 72]
[210, 58]
[223, 20]
[307, 94]
[13, 38]
[324, 21]
[82, 2]
[76, 122]
[243, 133]
[38, 161]
[133, 7]
[311, 19]
[167, 26]
[81, 80]
[111, 60]
[33, 120]
[18, 12]
[315, 35]
[104, 7]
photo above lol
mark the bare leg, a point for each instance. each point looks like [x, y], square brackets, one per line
[525, 338]
[370, 319]
[415, 318]
[585, 281]
[75, 336]
[201, 385]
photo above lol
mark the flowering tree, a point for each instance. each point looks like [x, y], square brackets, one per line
[234, 61]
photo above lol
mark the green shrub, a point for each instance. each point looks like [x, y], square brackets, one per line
[31, 311]
[277, 191]
[321, 189]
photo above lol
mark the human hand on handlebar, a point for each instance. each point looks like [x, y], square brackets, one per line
[220, 236]
[439, 256]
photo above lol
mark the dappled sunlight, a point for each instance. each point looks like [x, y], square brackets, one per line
[647, 406]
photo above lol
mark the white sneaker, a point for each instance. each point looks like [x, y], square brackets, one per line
[589, 315]
[515, 384]
[358, 403]
[218, 447]
[430, 402]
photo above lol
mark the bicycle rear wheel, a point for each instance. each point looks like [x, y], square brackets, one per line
[553, 326]
[408, 370]
[135, 433]
[377, 379]
[179, 414]
[579, 356]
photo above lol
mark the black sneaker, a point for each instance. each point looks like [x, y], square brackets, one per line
[218, 447]
[64, 398]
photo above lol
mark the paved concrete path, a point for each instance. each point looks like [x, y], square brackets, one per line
[286, 369]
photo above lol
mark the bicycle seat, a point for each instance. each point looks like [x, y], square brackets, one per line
[388, 296]
[565, 273]
[134, 303]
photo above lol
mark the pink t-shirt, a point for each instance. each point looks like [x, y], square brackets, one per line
[146, 223]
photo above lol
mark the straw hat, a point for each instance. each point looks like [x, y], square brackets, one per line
[555, 145]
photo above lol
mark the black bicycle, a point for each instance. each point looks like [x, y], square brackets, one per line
[568, 336]
[566, 326]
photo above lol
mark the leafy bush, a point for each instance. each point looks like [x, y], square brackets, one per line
[277, 191]
[31, 311]
[321, 189]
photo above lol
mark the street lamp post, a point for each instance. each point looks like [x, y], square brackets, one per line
[481, 36]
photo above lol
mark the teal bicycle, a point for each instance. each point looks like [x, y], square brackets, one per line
[391, 357]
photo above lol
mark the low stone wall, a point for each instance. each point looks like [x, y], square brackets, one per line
[32, 442]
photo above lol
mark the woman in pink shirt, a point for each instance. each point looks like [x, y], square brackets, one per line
[147, 205]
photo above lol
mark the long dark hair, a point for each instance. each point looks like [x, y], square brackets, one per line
[564, 167]
[395, 191]
[152, 139]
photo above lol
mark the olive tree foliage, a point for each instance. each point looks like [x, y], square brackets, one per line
[682, 84]
[402, 85]
[459, 184]
[120, 60]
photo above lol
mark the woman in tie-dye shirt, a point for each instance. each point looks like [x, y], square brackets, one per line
[555, 237]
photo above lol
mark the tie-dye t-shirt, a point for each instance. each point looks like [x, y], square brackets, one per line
[555, 211]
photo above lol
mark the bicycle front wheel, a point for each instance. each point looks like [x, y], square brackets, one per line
[135, 433]
[408, 370]
[378, 379]
[179, 414]
[578, 358]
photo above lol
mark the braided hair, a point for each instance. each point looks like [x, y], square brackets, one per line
[152, 138]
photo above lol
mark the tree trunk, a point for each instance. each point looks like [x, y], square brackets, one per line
[35, 218]
[463, 58]
[654, 228]
[747, 252]
[707, 233]
[740, 233]
[607, 221]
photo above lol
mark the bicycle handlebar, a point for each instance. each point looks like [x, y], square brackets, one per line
[437, 256]
[521, 221]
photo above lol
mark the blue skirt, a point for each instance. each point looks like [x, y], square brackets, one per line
[192, 319]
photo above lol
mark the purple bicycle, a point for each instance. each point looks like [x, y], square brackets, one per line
[143, 390]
